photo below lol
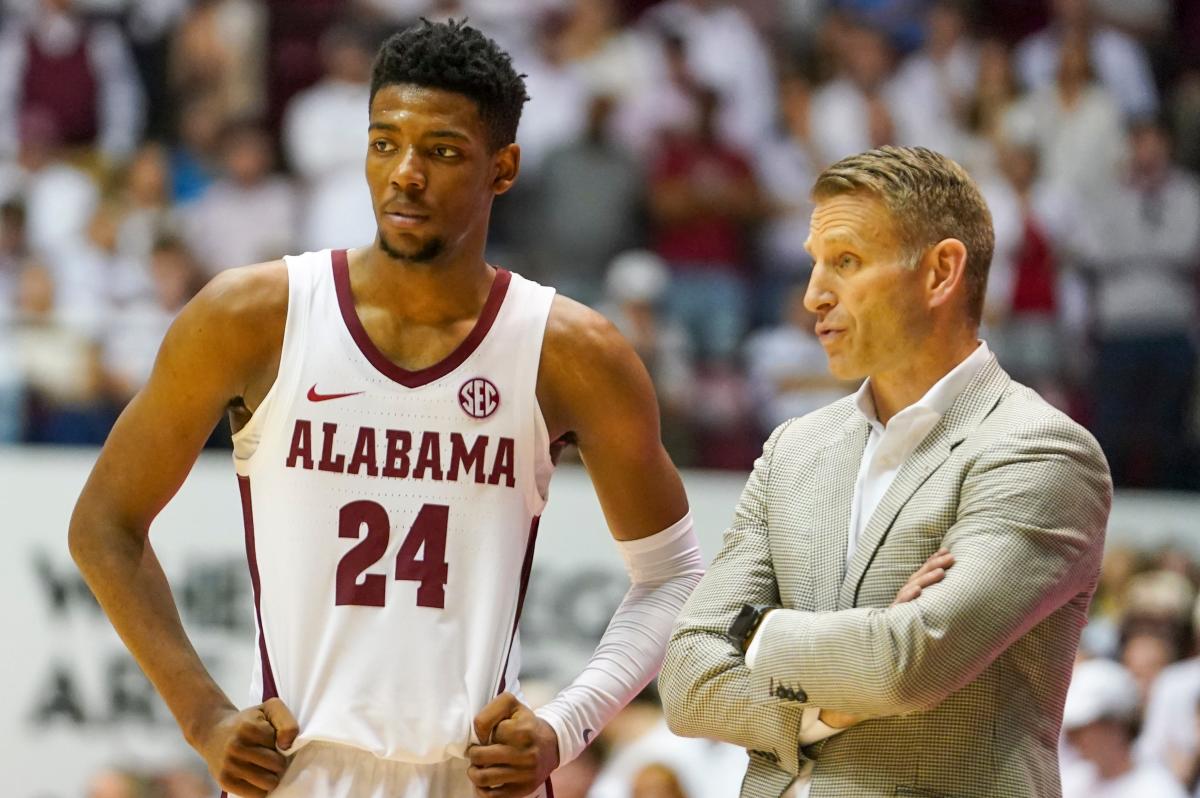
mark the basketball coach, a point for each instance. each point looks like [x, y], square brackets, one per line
[896, 606]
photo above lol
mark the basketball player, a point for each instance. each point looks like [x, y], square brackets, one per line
[395, 408]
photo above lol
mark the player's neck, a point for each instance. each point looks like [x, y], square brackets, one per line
[446, 289]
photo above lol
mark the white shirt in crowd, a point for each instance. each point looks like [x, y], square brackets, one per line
[327, 150]
[888, 448]
[1171, 720]
[1143, 781]
[1120, 63]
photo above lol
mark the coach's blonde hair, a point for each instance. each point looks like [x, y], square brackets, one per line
[929, 197]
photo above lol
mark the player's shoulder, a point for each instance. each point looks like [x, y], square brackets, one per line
[588, 370]
[252, 292]
[240, 312]
[575, 331]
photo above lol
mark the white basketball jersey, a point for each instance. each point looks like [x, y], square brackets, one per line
[390, 518]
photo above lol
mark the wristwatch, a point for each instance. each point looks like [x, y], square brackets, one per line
[742, 630]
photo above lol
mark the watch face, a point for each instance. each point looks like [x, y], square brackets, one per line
[743, 623]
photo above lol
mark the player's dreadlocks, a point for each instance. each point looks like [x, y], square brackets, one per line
[455, 57]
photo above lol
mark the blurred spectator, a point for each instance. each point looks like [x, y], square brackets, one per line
[1033, 301]
[558, 96]
[1147, 649]
[219, 49]
[59, 366]
[667, 101]
[1141, 19]
[325, 137]
[13, 253]
[59, 198]
[988, 106]
[77, 73]
[596, 179]
[1169, 735]
[142, 204]
[900, 20]
[14, 249]
[656, 781]
[931, 89]
[635, 286]
[183, 782]
[1099, 720]
[249, 215]
[1156, 626]
[725, 52]
[1120, 63]
[1144, 258]
[1074, 123]
[647, 761]
[614, 61]
[853, 112]
[788, 370]
[113, 784]
[575, 779]
[133, 336]
[195, 155]
[786, 166]
[702, 196]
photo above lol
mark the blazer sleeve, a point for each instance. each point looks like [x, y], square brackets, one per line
[705, 685]
[1028, 538]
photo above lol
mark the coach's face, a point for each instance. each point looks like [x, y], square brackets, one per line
[432, 171]
[870, 306]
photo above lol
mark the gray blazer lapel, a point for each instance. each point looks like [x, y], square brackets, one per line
[972, 405]
[836, 474]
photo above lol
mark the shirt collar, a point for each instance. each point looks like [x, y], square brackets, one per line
[938, 399]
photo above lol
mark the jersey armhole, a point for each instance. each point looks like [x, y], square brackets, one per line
[246, 441]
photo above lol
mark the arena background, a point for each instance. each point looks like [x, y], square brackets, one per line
[668, 150]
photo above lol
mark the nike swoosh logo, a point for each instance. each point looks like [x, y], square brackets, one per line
[313, 396]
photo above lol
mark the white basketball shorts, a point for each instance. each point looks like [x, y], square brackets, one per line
[328, 770]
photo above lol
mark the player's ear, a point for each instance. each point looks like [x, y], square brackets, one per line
[507, 164]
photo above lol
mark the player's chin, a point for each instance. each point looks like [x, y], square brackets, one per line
[404, 246]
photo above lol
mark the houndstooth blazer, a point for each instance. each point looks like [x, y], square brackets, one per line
[964, 686]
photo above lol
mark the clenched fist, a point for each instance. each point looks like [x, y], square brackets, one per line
[242, 749]
[517, 750]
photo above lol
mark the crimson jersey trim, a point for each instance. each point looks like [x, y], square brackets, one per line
[526, 568]
[414, 379]
[268, 676]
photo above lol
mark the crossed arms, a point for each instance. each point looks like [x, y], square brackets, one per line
[1032, 506]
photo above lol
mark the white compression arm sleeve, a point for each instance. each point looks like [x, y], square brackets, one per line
[664, 568]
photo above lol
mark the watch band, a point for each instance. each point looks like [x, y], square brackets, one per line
[746, 623]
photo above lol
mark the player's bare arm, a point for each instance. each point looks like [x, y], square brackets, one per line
[220, 355]
[592, 384]
[593, 387]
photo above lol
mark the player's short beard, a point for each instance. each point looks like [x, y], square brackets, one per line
[428, 251]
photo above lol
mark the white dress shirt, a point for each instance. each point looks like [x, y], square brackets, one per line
[888, 447]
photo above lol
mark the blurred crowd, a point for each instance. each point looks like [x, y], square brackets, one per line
[668, 150]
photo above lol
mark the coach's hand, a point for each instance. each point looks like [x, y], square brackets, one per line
[517, 750]
[932, 572]
[242, 749]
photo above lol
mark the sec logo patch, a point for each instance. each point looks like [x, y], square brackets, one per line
[478, 397]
